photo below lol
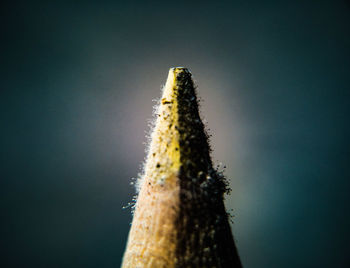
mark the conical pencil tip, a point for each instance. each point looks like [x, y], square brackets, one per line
[180, 218]
[178, 141]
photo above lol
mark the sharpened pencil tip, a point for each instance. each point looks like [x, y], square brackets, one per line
[180, 218]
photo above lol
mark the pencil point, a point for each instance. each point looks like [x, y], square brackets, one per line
[180, 219]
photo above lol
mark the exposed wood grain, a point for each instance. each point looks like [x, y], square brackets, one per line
[180, 218]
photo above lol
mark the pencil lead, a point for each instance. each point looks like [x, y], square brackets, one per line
[180, 218]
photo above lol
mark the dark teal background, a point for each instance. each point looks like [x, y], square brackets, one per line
[77, 83]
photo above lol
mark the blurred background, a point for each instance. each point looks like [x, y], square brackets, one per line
[77, 83]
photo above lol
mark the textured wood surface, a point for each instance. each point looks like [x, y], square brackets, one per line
[180, 218]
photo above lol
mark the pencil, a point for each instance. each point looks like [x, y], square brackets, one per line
[180, 218]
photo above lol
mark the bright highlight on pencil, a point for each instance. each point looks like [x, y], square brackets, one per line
[180, 218]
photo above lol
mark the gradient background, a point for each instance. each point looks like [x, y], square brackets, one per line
[77, 83]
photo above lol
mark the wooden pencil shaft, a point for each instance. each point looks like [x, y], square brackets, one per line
[180, 218]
